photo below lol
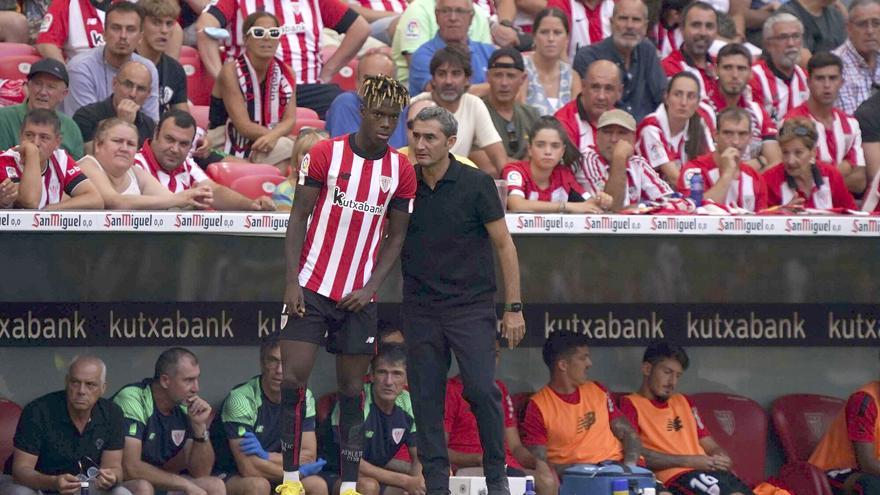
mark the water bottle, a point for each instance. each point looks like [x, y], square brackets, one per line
[697, 189]
[530, 485]
[83, 488]
[620, 486]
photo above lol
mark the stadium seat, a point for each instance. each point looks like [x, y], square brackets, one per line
[188, 52]
[200, 113]
[346, 78]
[225, 173]
[800, 420]
[324, 406]
[254, 186]
[804, 478]
[11, 49]
[16, 66]
[306, 113]
[9, 414]
[739, 425]
[314, 123]
[198, 82]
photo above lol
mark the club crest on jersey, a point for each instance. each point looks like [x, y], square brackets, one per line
[47, 23]
[397, 435]
[385, 184]
[177, 436]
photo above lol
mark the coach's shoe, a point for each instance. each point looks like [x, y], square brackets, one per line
[290, 488]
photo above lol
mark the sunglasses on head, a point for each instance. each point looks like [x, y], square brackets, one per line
[261, 32]
[800, 131]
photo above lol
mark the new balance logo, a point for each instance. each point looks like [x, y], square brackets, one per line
[674, 424]
[586, 422]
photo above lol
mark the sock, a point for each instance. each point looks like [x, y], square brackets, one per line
[351, 440]
[347, 485]
[291, 476]
[293, 401]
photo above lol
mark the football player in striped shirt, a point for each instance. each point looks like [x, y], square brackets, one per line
[336, 260]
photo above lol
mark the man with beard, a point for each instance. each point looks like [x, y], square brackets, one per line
[675, 444]
[643, 78]
[840, 138]
[778, 83]
[861, 73]
[734, 72]
[450, 73]
[512, 119]
[698, 31]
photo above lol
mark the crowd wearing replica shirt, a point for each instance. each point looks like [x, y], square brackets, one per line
[663, 78]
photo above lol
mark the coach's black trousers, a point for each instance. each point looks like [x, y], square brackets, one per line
[431, 336]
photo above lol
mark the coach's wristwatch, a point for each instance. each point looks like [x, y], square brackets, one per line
[201, 438]
[514, 307]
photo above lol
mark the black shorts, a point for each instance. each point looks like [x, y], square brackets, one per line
[341, 331]
[862, 483]
[705, 483]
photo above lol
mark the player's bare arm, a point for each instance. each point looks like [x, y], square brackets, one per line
[632, 445]
[868, 463]
[306, 196]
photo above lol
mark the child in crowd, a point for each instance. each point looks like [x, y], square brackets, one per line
[308, 136]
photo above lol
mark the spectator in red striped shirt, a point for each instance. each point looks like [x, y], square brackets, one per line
[699, 28]
[613, 167]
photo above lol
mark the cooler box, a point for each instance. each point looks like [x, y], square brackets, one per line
[596, 479]
[476, 485]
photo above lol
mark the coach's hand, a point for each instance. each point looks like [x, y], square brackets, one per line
[293, 300]
[356, 300]
[513, 328]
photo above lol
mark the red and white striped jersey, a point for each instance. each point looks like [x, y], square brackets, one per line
[776, 93]
[581, 132]
[831, 194]
[666, 40]
[488, 6]
[842, 141]
[763, 127]
[642, 182]
[656, 143]
[397, 6]
[62, 174]
[345, 229]
[72, 25]
[677, 62]
[519, 183]
[301, 22]
[586, 25]
[747, 191]
[184, 177]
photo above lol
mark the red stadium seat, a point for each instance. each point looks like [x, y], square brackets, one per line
[804, 478]
[800, 420]
[11, 49]
[16, 66]
[188, 52]
[306, 113]
[346, 78]
[200, 113]
[198, 82]
[254, 186]
[225, 173]
[324, 406]
[9, 414]
[739, 425]
[314, 123]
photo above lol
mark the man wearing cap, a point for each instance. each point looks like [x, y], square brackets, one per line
[512, 119]
[453, 20]
[612, 166]
[46, 88]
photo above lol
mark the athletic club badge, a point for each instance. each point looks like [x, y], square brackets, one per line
[385, 184]
[397, 435]
[727, 421]
[177, 436]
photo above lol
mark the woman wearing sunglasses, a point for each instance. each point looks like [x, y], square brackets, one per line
[800, 181]
[259, 93]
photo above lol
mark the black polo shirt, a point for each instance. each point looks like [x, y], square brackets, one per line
[46, 431]
[447, 258]
[89, 116]
[172, 83]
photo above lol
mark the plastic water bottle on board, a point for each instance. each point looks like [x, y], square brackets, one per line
[619, 487]
[530, 485]
[697, 188]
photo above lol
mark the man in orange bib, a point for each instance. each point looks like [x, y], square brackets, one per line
[675, 444]
[850, 450]
[573, 420]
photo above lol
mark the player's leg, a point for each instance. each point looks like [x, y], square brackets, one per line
[428, 360]
[315, 485]
[251, 485]
[707, 483]
[849, 481]
[211, 484]
[471, 335]
[354, 344]
[139, 487]
[365, 486]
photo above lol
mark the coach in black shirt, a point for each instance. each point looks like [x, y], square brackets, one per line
[64, 433]
[448, 294]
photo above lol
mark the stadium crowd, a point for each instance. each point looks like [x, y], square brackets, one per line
[159, 436]
[580, 106]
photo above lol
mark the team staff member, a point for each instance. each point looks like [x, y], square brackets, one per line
[335, 264]
[56, 431]
[684, 457]
[247, 439]
[448, 293]
[166, 428]
[850, 450]
[388, 427]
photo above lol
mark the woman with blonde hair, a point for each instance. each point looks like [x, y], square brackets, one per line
[308, 137]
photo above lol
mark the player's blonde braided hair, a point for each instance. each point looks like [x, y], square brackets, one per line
[377, 89]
